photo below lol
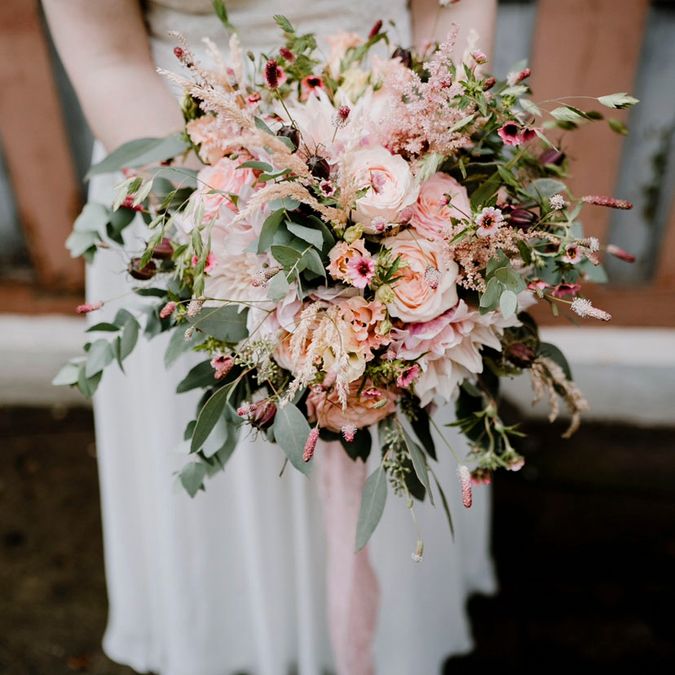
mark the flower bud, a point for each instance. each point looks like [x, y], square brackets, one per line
[489, 83]
[261, 414]
[522, 218]
[141, 273]
[290, 132]
[384, 294]
[163, 250]
[620, 253]
[352, 233]
[319, 167]
[377, 26]
[404, 55]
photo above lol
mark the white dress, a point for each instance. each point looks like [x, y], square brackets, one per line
[233, 580]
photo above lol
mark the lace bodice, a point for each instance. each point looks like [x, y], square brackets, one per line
[257, 30]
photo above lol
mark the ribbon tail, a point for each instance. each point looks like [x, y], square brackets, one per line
[352, 587]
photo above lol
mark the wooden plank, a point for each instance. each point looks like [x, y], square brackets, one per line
[35, 144]
[665, 271]
[18, 297]
[588, 48]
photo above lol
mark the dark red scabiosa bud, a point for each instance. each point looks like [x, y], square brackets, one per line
[520, 354]
[552, 156]
[405, 55]
[375, 30]
[489, 83]
[522, 218]
[179, 53]
[292, 133]
[287, 54]
[319, 167]
[163, 250]
[611, 202]
[141, 273]
[272, 74]
[261, 414]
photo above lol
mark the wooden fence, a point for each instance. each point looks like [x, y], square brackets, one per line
[581, 47]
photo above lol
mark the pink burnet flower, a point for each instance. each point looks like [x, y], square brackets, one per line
[89, 307]
[222, 364]
[310, 444]
[287, 54]
[310, 85]
[363, 409]
[440, 199]
[167, 310]
[413, 297]
[388, 183]
[351, 263]
[464, 476]
[274, 74]
[489, 220]
[620, 253]
[584, 308]
[214, 136]
[408, 376]
[209, 264]
[611, 202]
[510, 133]
[573, 254]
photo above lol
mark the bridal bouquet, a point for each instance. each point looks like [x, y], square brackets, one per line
[360, 245]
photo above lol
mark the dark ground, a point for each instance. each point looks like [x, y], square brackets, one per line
[584, 539]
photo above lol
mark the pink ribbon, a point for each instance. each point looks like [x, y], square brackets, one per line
[353, 591]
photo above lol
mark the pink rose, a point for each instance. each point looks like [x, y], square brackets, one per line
[365, 406]
[441, 198]
[389, 186]
[425, 285]
[221, 180]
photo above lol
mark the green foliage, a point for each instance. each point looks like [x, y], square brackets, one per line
[291, 431]
[372, 506]
[226, 323]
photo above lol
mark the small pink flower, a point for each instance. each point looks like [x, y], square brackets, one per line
[167, 310]
[573, 254]
[128, 203]
[479, 57]
[222, 364]
[537, 285]
[517, 464]
[310, 445]
[253, 99]
[516, 77]
[327, 188]
[348, 432]
[563, 290]
[527, 134]
[489, 220]
[407, 377]
[361, 270]
[510, 133]
[342, 115]
[620, 253]
[287, 54]
[464, 476]
[89, 307]
[208, 266]
[371, 394]
[310, 85]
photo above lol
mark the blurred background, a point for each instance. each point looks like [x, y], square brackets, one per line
[584, 536]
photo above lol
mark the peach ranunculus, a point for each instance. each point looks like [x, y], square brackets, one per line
[366, 405]
[425, 284]
[351, 263]
[389, 186]
[441, 198]
[218, 182]
[366, 320]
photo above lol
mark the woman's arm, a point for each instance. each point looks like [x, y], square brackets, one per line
[432, 22]
[104, 47]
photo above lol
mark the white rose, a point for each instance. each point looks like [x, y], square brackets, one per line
[389, 184]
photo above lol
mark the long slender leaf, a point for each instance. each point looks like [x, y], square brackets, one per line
[372, 506]
[209, 415]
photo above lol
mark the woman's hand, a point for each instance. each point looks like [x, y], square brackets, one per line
[105, 49]
[432, 22]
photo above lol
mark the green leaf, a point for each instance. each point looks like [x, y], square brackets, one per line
[567, 114]
[617, 126]
[269, 228]
[201, 375]
[141, 152]
[225, 323]
[311, 260]
[88, 385]
[552, 352]
[286, 256]
[277, 286]
[68, 375]
[291, 431]
[419, 463]
[192, 477]
[372, 506]
[446, 508]
[284, 23]
[359, 447]
[490, 296]
[221, 12]
[179, 345]
[422, 429]
[529, 107]
[103, 327]
[510, 278]
[483, 195]
[129, 337]
[209, 415]
[543, 188]
[308, 234]
[254, 164]
[508, 303]
[620, 100]
[100, 354]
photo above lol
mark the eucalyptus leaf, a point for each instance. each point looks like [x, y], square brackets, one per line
[68, 375]
[227, 323]
[179, 345]
[508, 303]
[419, 463]
[446, 508]
[311, 260]
[277, 286]
[129, 337]
[192, 477]
[209, 415]
[286, 256]
[103, 327]
[544, 188]
[100, 354]
[291, 431]
[373, 499]
[308, 234]
[201, 375]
